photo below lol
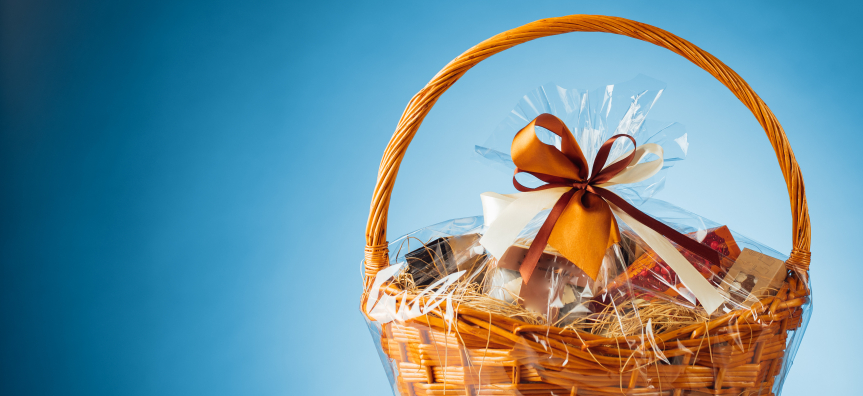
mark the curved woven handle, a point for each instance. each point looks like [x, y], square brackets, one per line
[376, 230]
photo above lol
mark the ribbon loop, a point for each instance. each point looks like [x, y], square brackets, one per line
[581, 224]
[600, 174]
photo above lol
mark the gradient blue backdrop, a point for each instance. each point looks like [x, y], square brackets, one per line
[185, 184]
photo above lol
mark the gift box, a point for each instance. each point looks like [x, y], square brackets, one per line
[650, 272]
[751, 276]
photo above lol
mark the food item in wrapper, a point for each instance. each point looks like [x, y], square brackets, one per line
[751, 276]
[720, 240]
[444, 256]
[651, 273]
[558, 287]
[559, 290]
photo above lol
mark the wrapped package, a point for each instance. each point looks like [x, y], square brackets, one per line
[582, 283]
[561, 292]
[444, 256]
[648, 271]
[634, 320]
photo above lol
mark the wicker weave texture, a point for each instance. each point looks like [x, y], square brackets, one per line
[739, 353]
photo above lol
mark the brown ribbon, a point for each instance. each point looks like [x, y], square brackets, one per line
[581, 225]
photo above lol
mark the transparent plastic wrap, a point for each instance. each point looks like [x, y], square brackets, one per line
[455, 314]
[594, 116]
[623, 340]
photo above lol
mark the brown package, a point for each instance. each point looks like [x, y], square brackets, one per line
[751, 275]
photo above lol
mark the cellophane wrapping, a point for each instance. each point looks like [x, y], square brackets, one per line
[448, 317]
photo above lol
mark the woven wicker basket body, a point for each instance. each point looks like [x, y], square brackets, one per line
[478, 353]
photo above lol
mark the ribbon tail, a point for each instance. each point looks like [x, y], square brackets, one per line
[637, 172]
[541, 239]
[493, 204]
[508, 217]
[706, 294]
[687, 243]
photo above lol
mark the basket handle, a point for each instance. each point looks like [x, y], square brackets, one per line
[376, 254]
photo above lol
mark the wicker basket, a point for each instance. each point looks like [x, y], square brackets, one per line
[481, 353]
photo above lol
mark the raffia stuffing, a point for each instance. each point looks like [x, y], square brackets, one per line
[614, 320]
[631, 317]
[470, 295]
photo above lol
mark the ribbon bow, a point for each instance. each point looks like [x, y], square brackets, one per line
[581, 224]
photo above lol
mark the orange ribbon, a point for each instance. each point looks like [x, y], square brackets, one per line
[581, 225]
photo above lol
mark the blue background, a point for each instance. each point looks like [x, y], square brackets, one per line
[185, 184]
